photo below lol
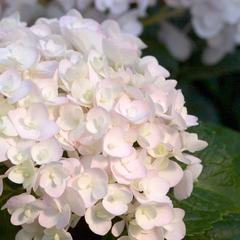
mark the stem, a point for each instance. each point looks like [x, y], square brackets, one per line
[162, 15]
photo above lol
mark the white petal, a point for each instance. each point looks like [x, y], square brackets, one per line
[195, 169]
[1, 186]
[184, 188]
[172, 174]
[192, 143]
[115, 145]
[23, 90]
[46, 151]
[118, 228]
[19, 53]
[6, 127]
[4, 146]
[177, 232]
[75, 201]
[98, 219]
[23, 235]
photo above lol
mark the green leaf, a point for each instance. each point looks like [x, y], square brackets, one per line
[227, 229]
[214, 207]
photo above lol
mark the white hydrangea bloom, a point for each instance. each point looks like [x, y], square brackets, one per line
[149, 216]
[210, 20]
[23, 173]
[97, 134]
[98, 219]
[33, 123]
[46, 151]
[117, 199]
[92, 185]
[19, 152]
[52, 178]
[24, 209]
[54, 214]
[150, 189]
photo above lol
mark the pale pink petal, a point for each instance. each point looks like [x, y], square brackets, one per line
[98, 121]
[23, 90]
[149, 135]
[195, 169]
[165, 215]
[136, 111]
[64, 217]
[172, 174]
[17, 117]
[4, 146]
[23, 235]
[48, 219]
[24, 215]
[98, 219]
[49, 130]
[1, 186]
[73, 165]
[75, 201]
[135, 232]
[177, 232]
[7, 127]
[115, 145]
[184, 188]
[19, 53]
[192, 143]
[129, 168]
[18, 201]
[118, 228]
[46, 151]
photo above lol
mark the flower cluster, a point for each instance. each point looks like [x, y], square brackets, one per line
[218, 22]
[90, 129]
[125, 12]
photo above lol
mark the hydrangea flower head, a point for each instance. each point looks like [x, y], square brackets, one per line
[89, 128]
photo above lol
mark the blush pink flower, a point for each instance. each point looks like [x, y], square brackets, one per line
[33, 123]
[52, 178]
[89, 128]
[115, 145]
